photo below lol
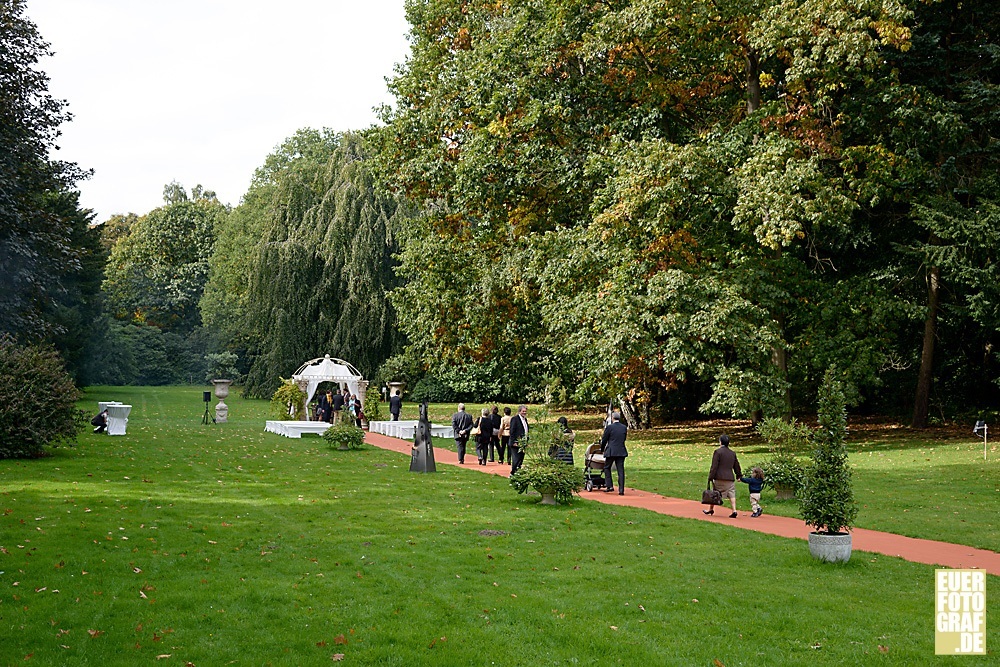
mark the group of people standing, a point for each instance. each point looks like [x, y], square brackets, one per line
[496, 436]
[332, 406]
[504, 435]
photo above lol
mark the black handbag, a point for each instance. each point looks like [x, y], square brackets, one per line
[711, 496]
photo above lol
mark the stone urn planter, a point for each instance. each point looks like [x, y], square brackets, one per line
[548, 496]
[221, 392]
[830, 547]
[784, 492]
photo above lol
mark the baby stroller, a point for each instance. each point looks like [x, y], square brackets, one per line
[593, 467]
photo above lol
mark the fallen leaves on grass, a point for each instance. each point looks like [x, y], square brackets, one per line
[337, 657]
[95, 633]
[340, 639]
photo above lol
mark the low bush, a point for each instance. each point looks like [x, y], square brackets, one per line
[345, 436]
[37, 400]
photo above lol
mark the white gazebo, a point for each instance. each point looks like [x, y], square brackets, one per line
[328, 369]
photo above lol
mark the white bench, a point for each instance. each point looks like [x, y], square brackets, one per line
[405, 430]
[295, 429]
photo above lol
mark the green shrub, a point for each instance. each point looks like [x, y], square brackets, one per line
[827, 496]
[373, 408]
[288, 401]
[37, 400]
[345, 436]
[784, 470]
[541, 470]
[785, 437]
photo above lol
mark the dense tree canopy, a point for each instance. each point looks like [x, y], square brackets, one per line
[724, 198]
[157, 271]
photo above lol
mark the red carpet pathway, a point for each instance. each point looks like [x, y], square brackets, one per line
[907, 548]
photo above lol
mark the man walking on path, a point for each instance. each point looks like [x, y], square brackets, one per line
[724, 473]
[613, 446]
[461, 423]
[395, 405]
[518, 431]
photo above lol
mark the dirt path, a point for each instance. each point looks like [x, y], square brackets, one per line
[907, 548]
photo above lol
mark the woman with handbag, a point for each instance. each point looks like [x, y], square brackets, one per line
[483, 432]
[723, 474]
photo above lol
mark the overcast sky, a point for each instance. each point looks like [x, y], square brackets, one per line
[201, 91]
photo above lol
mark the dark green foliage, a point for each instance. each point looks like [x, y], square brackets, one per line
[221, 366]
[431, 389]
[643, 199]
[827, 495]
[142, 354]
[42, 230]
[37, 400]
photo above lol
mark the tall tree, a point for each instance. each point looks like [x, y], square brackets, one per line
[157, 272]
[35, 235]
[313, 243]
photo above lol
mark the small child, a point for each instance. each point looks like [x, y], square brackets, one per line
[756, 483]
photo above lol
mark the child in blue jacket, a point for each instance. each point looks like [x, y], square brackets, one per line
[756, 483]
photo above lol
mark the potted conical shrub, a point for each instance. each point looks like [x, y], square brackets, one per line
[827, 498]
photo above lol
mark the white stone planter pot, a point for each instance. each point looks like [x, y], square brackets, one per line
[835, 548]
[221, 391]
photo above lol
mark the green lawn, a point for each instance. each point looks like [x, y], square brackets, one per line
[222, 544]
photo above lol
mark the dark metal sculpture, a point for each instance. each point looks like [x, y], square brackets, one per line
[422, 459]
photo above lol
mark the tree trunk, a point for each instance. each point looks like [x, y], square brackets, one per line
[922, 400]
[753, 80]
[629, 414]
[779, 355]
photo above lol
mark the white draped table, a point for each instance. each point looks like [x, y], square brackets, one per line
[118, 418]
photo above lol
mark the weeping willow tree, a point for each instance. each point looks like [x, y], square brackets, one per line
[311, 275]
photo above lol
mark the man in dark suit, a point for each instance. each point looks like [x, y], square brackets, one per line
[518, 431]
[461, 424]
[613, 446]
[337, 403]
[395, 405]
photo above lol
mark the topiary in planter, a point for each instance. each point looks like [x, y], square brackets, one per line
[37, 400]
[827, 497]
[345, 436]
[783, 471]
[542, 471]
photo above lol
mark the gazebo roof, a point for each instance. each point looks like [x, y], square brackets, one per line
[327, 369]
